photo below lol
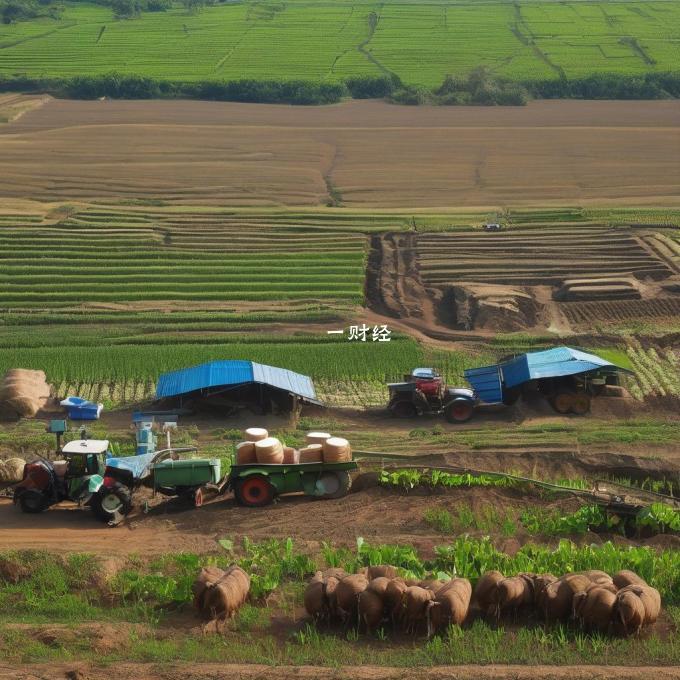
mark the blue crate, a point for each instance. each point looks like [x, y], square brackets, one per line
[81, 409]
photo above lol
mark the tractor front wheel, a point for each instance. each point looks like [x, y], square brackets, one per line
[254, 491]
[111, 505]
[459, 411]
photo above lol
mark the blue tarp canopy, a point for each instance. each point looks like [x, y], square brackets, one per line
[217, 375]
[137, 465]
[558, 362]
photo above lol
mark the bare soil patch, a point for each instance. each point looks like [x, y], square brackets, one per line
[372, 153]
[204, 671]
[520, 279]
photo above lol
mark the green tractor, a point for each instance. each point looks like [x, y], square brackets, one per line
[76, 477]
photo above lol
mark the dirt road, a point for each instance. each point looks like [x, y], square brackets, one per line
[131, 671]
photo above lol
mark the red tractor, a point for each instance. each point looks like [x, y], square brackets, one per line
[424, 392]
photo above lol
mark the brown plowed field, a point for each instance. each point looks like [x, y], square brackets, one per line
[372, 153]
[621, 310]
[535, 257]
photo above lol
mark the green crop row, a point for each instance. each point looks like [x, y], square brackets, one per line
[418, 42]
[324, 359]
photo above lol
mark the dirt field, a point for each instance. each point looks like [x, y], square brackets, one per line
[368, 152]
[204, 671]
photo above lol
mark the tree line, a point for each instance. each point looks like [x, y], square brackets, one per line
[478, 88]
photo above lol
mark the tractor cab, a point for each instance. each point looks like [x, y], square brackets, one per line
[75, 476]
[427, 380]
[424, 392]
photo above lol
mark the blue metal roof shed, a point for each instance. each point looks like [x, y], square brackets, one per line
[558, 362]
[219, 376]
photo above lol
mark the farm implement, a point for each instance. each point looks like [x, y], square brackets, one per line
[568, 378]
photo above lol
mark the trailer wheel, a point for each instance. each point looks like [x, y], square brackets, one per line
[404, 409]
[459, 411]
[563, 402]
[581, 404]
[111, 505]
[334, 484]
[254, 491]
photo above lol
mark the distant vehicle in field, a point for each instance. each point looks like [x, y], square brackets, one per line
[492, 226]
[568, 378]
[423, 392]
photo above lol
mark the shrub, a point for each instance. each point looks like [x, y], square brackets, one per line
[371, 87]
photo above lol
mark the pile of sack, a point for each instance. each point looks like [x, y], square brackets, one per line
[220, 593]
[11, 470]
[259, 447]
[23, 393]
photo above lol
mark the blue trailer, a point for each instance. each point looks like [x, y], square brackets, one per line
[568, 378]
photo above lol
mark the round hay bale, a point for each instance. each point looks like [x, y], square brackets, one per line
[23, 392]
[25, 375]
[26, 407]
[317, 437]
[14, 467]
[336, 450]
[245, 453]
[269, 451]
[255, 434]
[311, 454]
[290, 455]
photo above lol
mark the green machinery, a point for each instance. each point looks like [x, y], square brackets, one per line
[256, 485]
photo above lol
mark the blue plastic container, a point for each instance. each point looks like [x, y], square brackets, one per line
[81, 409]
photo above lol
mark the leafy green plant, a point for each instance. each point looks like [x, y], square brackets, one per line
[556, 524]
[439, 519]
[659, 517]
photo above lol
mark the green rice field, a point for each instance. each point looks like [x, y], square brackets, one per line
[421, 42]
[104, 299]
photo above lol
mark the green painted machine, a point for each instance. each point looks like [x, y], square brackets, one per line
[255, 485]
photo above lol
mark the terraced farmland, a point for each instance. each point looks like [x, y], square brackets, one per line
[420, 42]
[104, 300]
[140, 260]
[532, 258]
[588, 314]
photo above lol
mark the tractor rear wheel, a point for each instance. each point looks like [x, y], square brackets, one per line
[459, 411]
[32, 502]
[563, 402]
[334, 484]
[580, 404]
[254, 491]
[404, 409]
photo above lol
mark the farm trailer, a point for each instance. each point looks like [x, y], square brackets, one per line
[568, 378]
[254, 485]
